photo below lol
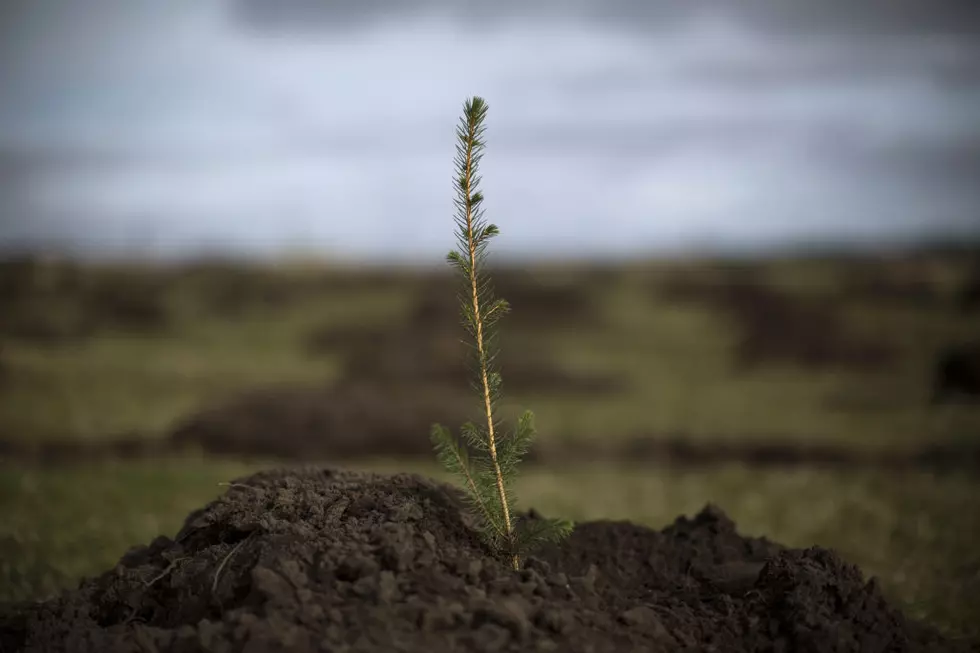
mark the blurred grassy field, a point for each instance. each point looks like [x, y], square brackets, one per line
[95, 352]
[70, 372]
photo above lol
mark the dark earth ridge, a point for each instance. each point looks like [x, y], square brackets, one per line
[957, 373]
[246, 439]
[774, 326]
[327, 560]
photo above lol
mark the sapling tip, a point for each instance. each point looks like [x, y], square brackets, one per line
[487, 462]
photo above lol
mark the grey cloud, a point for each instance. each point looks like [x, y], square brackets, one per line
[947, 16]
[177, 123]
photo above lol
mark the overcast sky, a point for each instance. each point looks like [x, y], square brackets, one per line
[142, 127]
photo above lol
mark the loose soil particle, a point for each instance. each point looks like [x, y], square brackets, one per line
[328, 560]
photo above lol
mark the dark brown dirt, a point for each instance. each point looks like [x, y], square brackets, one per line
[51, 303]
[326, 560]
[428, 346]
[536, 301]
[363, 419]
[781, 453]
[897, 281]
[333, 339]
[244, 439]
[440, 357]
[229, 289]
[775, 327]
[291, 422]
[968, 297]
[957, 373]
[4, 367]
[882, 289]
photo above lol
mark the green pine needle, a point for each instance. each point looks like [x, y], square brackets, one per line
[486, 461]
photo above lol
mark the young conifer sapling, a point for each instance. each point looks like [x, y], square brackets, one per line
[486, 462]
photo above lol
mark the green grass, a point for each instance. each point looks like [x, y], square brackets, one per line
[116, 385]
[61, 524]
[116, 382]
[678, 358]
[916, 532]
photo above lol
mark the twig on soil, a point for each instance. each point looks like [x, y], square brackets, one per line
[167, 570]
[150, 583]
[241, 485]
[217, 573]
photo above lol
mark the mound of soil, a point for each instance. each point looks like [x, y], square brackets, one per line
[362, 419]
[968, 298]
[956, 373]
[880, 288]
[229, 289]
[213, 436]
[913, 282]
[56, 302]
[329, 560]
[441, 357]
[332, 339]
[428, 346]
[776, 327]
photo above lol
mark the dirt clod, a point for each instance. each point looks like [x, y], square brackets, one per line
[327, 560]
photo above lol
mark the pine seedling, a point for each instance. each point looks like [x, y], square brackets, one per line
[487, 462]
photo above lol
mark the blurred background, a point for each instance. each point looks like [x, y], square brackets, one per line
[741, 241]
